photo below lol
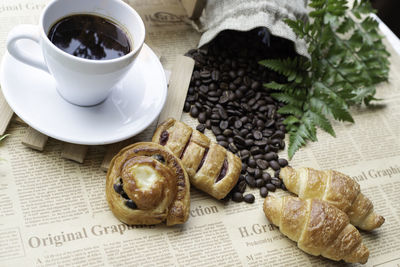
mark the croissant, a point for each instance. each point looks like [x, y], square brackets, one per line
[147, 184]
[211, 168]
[318, 228]
[336, 188]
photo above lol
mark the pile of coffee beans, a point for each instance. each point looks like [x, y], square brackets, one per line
[227, 96]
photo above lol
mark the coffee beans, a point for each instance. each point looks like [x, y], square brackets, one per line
[202, 117]
[194, 112]
[263, 191]
[241, 186]
[266, 176]
[250, 181]
[260, 182]
[257, 135]
[271, 187]
[223, 125]
[227, 97]
[251, 162]
[270, 156]
[216, 130]
[186, 107]
[282, 162]
[238, 124]
[249, 198]
[237, 197]
[262, 164]
[274, 165]
[201, 128]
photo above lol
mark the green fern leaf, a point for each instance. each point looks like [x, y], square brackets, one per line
[310, 126]
[288, 67]
[296, 26]
[321, 121]
[3, 137]
[346, 25]
[317, 4]
[347, 59]
[341, 113]
[317, 13]
[289, 109]
[287, 99]
[290, 120]
[297, 139]
[363, 93]
[274, 85]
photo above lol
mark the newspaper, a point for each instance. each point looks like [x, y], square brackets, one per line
[53, 212]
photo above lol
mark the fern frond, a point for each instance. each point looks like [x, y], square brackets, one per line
[297, 139]
[3, 137]
[289, 109]
[321, 121]
[287, 67]
[346, 26]
[287, 99]
[341, 113]
[290, 120]
[276, 86]
[347, 60]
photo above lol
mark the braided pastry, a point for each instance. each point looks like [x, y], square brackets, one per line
[147, 184]
[336, 188]
[318, 228]
[211, 168]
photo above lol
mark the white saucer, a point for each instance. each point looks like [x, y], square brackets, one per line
[132, 106]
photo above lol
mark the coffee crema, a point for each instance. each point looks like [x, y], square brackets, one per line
[90, 36]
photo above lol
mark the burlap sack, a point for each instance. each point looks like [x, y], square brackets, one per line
[244, 15]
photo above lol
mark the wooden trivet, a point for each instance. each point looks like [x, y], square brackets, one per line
[178, 80]
[177, 89]
[193, 8]
[178, 86]
[5, 114]
[34, 139]
[74, 152]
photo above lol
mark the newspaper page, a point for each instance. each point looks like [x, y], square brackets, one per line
[53, 212]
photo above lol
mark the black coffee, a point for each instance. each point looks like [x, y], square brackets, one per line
[90, 37]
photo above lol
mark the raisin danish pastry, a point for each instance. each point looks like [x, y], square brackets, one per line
[211, 168]
[147, 184]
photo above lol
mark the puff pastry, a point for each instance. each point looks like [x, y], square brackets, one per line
[318, 228]
[210, 167]
[147, 184]
[336, 188]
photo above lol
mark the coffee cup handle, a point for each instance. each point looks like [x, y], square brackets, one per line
[25, 31]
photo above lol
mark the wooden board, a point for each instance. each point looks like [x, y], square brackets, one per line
[112, 150]
[194, 8]
[177, 90]
[179, 80]
[37, 140]
[80, 153]
[74, 152]
[34, 139]
[18, 120]
[6, 114]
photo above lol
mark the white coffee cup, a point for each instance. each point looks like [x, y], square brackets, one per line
[80, 81]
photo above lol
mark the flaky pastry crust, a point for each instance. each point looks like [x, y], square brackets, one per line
[211, 168]
[146, 184]
[335, 188]
[318, 227]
